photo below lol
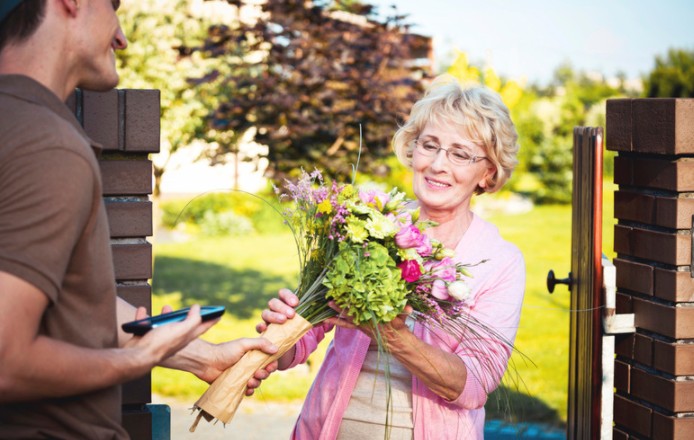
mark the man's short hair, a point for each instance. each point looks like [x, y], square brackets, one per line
[22, 22]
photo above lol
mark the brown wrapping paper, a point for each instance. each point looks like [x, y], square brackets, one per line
[223, 397]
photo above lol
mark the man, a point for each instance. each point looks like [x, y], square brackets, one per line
[62, 354]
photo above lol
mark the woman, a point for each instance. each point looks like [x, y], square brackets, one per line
[459, 142]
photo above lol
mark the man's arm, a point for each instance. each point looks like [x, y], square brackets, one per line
[201, 358]
[33, 366]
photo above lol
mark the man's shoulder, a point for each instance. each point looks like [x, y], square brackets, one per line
[30, 127]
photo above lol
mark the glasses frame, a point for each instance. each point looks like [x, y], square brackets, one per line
[467, 162]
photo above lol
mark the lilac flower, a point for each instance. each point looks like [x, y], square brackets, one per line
[444, 269]
[439, 290]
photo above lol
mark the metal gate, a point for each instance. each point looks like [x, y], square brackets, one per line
[585, 284]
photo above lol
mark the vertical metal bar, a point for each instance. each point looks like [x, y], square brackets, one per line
[585, 352]
[595, 145]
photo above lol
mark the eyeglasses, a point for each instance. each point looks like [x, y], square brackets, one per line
[457, 156]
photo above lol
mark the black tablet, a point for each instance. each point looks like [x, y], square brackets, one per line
[142, 326]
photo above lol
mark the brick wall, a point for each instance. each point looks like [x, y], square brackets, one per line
[126, 123]
[654, 168]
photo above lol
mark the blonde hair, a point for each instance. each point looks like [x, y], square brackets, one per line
[477, 109]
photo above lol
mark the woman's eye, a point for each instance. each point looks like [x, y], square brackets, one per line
[430, 147]
[460, 154]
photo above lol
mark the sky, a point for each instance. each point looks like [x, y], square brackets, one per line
[529, 39]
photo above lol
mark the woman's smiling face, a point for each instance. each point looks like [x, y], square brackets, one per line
[439, 184]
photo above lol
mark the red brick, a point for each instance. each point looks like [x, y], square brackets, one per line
[624, 345]
[619, 435]
[126, 177]
[623, 172]
[672, 175]
[637, 277]
[142, 116]
[674, 212]
[624, 303]
[101, 117]
[139, 295]
[130, 218]
[674, 322]
[672, 395]
[668, 212]
[635, 206]
[670, 248]
[672, 285]
[674, 428]
[132, 261]
[643, 349]
[663, 126]
[622, 372]
[629, 413]
[618, 125]
[673, 358]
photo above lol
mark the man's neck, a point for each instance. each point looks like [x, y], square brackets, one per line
[42, 57]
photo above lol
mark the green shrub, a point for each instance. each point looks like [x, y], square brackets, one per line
[232, 212]
[225, 223]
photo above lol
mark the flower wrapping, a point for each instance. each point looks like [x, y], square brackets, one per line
[223, 397]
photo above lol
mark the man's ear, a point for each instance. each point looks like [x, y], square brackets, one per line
[71, 7]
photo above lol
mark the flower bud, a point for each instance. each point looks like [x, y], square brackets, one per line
[459, 290]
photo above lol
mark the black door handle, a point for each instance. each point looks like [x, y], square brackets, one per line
[553, 281]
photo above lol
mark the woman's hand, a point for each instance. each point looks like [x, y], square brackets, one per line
[278, 312]
[388, 332]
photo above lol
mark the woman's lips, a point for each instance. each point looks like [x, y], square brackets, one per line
[436, 183]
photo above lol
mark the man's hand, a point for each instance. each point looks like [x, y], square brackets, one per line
[163, 342]
[229, 353]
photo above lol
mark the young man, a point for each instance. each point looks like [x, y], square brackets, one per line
[62, 354]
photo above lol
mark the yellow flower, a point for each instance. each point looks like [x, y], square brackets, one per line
[325, 207]
[347, 192]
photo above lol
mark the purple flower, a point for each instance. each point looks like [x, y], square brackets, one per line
[375, 198]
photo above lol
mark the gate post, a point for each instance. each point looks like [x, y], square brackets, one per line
[654, 169]
[126, 123]
[585, 283]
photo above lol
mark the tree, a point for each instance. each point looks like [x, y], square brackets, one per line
[157, 30]
[672, 76]
[307, 79]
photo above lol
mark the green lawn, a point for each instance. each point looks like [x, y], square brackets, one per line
[243, 273]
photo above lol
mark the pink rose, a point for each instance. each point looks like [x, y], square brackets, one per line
[409, 237]
[425, 248]
[410, 270]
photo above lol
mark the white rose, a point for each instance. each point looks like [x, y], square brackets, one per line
[459, 290]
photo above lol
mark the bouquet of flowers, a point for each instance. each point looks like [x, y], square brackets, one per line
[367, 252]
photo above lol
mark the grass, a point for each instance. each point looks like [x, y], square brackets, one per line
[243, 273]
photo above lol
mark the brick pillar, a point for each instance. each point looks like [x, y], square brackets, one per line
[126, 123]
[654, 169]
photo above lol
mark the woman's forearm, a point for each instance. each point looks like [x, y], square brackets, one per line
[442, 372]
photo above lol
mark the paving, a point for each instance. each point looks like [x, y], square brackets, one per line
[268, 421]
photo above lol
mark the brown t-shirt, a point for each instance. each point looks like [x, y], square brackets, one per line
[54, 234]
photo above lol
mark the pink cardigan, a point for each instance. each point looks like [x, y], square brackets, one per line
[497, 295]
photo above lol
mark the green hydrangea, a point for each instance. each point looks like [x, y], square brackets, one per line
[365, 282]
